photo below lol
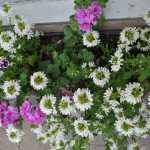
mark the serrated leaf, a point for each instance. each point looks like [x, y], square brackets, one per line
[32, 59]
[69, 37]
[85, 55]
[53, 69]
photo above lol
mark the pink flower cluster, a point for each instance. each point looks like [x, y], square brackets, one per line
[8, 115]
[87, 17]
[30, 115]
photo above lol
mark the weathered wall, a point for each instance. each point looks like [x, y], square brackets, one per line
[53, 15]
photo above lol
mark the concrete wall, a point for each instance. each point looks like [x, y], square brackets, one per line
[52, 11]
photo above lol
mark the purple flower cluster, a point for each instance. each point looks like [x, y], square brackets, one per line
[30, 115]
[87, 17]
[4, 63]
[68, 93]
[8, 115]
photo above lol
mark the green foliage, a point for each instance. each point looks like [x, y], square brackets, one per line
[102, 3]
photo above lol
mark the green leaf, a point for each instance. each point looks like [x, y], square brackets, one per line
[85, 55]
[54, 70]
[102, 3]
[32, 59]
[62, 81]
[23, 77]
[43, 65]
[64, 58]
[69, 37]
[144, 74]
[73, 23]
[100, 20]
[78, 3]
[127, 75]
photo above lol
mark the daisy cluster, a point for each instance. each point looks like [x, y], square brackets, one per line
[68, 96]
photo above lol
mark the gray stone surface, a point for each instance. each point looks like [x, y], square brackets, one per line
[30, 142]
[4, 143]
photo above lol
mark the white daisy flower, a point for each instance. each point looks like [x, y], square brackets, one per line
[39, 80]
[99, 116]
[116, 61]
[147, 17]
[7, 39]
[91, 64]
[100, 76]
[21, 28]
[83, 99]
[132, 93]
[124, 126]
[65, 105]
[47, 104]
[113, 145]
[81, 127]
[143, 45]
[57, 144]
[6, 10]
[11, 88]
[84, 65]
[42, 137]
[145, 34]
[135, 146]
[91, 39]
[36, 128]
[129, 35]
[124, 47]
[14, 135]
[118, 113]
[142, 125]
[106, 107]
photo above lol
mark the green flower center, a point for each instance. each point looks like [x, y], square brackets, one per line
[148, 14]
[114, 96]
[6, 38]
[53, 143]
[41, 139]
[81, 127]
[144, 44]
[125, 126]
[141, 123]
[136, 148]
[47, 104]
[120, 115]
[13, 135]
[136, 92]
[6, 8]
[129, 35]
[54, 131]
[11, 89]
[21, 25]
[115, 60]
[147, 35]
[48, 135]
[90, 37]
[83, 98]
[64, 105]
[38, 80]
[61, 143]
[100, 75]
[34, 126]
